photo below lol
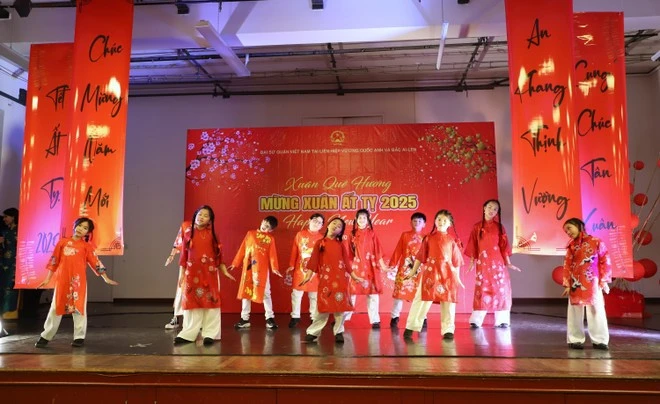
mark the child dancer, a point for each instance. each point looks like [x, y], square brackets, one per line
[300, 253]
[69, 260]
[440, 278]
[257, 255]
[201, 257]
[366, 257]
[403, 259]
[489, 248]
[587, 271]
[331, 261]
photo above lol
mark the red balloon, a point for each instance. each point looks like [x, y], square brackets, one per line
[650, 267]
[638, 272]
[643, 237]
[558, 275]
[634, 221]
[638, 165]
[640, 199]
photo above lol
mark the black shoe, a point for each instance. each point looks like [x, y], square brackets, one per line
[270, 324]
[448, 336]
[425, 325]
[602, 347]
[77, 343]
[473, 326]
[42, 343]
[503, 325]
[576, 345]
[3, 332]
[208, 341]
[294, 322]
[242, 324]
[339, 338]
[181, 341]
[394, 322]
[310, 338]
[375, 326]
[407, 334]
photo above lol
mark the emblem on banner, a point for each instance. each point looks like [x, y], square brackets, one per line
[337, 137]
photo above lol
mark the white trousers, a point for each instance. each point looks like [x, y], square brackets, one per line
[420, 308]
[501, 317]
[372, 308]
[397, 306]
[320, 321]
[178, 309]
[53, 321]
[246, 304]
[206, 319]
[296, 300]
[596, 322]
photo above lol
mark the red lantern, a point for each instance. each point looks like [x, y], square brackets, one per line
[650, 267]
[638, 272]
[643, 237]
[640, 199]
[638, 165]
[634, 221]
[558, 275]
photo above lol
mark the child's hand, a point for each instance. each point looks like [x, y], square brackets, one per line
[566, 291]
[606, 288]
[515, 268]
[110, 281]
[471, 267]
[42, 284]
[289, 269]
[169, 260]
[276, 272]
[308, 277]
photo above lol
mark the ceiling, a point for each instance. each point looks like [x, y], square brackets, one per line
[348, 46]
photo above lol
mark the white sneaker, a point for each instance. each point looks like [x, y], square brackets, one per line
[174, 323]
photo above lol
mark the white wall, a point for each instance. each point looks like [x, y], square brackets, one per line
[155, 157]
[12, 124]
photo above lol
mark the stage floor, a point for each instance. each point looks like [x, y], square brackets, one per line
[131, 338]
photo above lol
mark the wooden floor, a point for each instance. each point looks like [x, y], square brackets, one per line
[129, 358]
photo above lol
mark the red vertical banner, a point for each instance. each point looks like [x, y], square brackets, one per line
[600, 110]
[47, 127]
[544, 149]
[94, 175]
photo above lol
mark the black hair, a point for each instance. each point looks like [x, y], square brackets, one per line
[418, 215]
[216, 250]
[272, 221]
[339, 236]
[358, 213]
[577, 223]
[499, 218]
[90, 225]
[13, 212]
[315, 215]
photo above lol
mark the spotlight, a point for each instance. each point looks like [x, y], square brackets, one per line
[23, 7]
[317, 4]
[182, 8]
[4, 14]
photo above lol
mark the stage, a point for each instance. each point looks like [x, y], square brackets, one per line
[129, 358]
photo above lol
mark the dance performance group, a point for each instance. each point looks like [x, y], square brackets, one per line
[335, 266]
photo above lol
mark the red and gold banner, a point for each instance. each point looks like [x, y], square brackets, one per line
[47, 131]
[545, 169]
[95, 168]
[600, 111]
[245, 174]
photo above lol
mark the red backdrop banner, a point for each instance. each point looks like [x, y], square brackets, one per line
[246, 174]
[544, 154]
[600, 108]
[95, 167]
[47, 126]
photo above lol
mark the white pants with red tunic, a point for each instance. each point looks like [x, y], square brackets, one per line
[320, 321]
[296, 300]
[501, 317]
[596, 322]
[246, 304]
[53, 321]
[420, 308]
[206, 319]
[178, 309]
[372, 308]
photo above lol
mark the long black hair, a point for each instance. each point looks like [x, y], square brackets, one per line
[216, 250]
[499, 218]
[577, 223]
[446, 213]
[358, 213]
[13, 212]
[339, 236]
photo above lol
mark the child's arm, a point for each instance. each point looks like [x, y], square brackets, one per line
[53, 263]
[604, 268]
[273, 257]
[97, 266]
[240, 254]
[294, 254]
[566, 272]
[176, 247]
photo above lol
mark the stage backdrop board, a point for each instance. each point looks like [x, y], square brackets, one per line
[245, 174]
